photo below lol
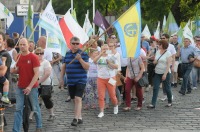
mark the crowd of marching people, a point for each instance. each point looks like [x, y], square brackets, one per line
[95, 73]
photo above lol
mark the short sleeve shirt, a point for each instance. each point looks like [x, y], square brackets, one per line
[134, 66]
[162, 62]
[104, 71]
[76, 74]
[43, 66]
[25, 65]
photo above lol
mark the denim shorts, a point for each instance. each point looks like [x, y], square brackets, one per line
[76, 90]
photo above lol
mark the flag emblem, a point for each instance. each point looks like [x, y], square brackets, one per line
[131, 29]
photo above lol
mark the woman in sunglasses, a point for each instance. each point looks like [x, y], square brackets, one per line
[45, 81]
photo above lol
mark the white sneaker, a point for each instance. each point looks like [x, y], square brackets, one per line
[164, 98]
[116, 109]
[194, 88]
[101, 114]
[5, 99]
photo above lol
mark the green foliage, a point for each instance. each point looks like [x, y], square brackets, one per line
[152, 10]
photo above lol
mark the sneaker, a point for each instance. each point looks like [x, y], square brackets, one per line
[101, 114]
[5, 99]
[116, 109]
[80, 121]
[175, 85]
[38, 130]
[51, 118]
[74, 122]
[164, 98]
[172, 84]
[147, 89]
[194, 88]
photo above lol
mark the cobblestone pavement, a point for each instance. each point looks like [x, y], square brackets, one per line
[181, 117]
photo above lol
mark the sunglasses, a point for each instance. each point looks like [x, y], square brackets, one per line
[163, 38]
[39, 53]
[75, 43]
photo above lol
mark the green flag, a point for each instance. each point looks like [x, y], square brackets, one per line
[29, 22]
[171, 26]
[180, 36]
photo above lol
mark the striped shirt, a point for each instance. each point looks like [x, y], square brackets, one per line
[76, 74]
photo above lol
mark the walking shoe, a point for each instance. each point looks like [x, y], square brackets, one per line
[175, 85]
[188, 92]
[194, 88]
[38, 130]
[74, 122]
[172, 84]
[164, 98]
[80, 121]
[151, 106]
[51, 118]
[183, 93]
[5, 99]
[101, 114]
[147, 89]
[116, 109]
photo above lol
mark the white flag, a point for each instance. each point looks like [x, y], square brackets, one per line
[87, 27]
[187, 33]
[49, 22]
[146, 32]
[157, 33]
[164, 23]
[5, 13]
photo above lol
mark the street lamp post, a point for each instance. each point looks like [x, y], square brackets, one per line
[93, 16]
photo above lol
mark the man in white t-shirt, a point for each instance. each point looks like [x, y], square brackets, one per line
[172, 50]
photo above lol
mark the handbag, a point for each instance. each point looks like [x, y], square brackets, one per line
[143, 81]
[157, 63]
[196, 63]
[46, 90]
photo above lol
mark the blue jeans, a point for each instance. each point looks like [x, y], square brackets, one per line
[195, 72]
[166, 84]
[186, 69]
[18, 115]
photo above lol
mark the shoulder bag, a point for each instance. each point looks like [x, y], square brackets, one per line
[46, 90]
[143, 81]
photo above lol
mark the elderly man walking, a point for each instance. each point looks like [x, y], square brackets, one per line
[76, 76]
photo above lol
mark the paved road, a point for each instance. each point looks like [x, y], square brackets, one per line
[181, 117]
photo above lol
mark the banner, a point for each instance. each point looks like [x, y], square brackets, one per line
[5, 13]
[128, 27]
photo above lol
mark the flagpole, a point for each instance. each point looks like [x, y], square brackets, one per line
[21, 34]
[93, 16]
[72, 6]
[33, 31]
[90, 44]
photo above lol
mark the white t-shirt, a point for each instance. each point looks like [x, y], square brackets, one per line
[117, 56]
[162, 62]
[123, 60]
[171, 49]
[92, 72]
[104, 71]
[43, 66]
[48, 54]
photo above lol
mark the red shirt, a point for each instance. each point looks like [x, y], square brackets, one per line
[25, 66]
